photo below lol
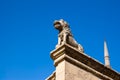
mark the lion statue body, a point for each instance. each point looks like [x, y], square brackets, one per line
[65, 35]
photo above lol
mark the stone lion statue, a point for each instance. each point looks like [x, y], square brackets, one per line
[65, 35]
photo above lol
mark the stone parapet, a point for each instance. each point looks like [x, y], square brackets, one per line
[75, 57]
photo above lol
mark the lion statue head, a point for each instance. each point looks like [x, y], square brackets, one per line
[60, 24]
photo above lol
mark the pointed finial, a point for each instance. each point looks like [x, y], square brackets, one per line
[106, 55]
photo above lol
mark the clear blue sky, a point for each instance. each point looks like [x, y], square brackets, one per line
[27, 34]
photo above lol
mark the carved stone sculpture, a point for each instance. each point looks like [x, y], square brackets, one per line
[65, 36]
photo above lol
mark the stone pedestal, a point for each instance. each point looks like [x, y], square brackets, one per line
[71, 64]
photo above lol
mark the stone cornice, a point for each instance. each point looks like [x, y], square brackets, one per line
[68, 53]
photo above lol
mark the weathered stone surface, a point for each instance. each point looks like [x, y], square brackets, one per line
[73, 65]
[75, 73]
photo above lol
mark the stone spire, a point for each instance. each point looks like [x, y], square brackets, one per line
[106, 55]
